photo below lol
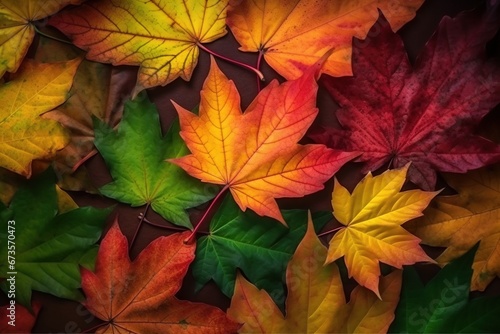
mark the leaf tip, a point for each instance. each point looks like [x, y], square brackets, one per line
[406, 167]
[137, 89]
[310, 225]
[214, 70]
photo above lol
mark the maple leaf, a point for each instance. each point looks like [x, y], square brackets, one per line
[17, 27]
[372, 216]
[443, 304]
[426, 114]
[458, 222]
[98, 91]
[138, 296]
[315, 301]
[47, 244]
[24, 136]
[160, 36]
[251, 243]
[292, 35]
[23, 319]
[256, 154]
[135, 155]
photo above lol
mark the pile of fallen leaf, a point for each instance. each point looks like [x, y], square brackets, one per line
[431, 172]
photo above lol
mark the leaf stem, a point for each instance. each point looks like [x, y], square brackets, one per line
[330, 231]
[166, 227]
[83, 160]
[192, 236]
[38, 31]
[259, 59]
[248, 67]
[138, 226]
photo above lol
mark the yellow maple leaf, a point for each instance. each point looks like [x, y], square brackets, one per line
[458, 222]
[315, 301]
[293, 34]
[24, 135]
[373, 216]
[160, 36]
[17, 29]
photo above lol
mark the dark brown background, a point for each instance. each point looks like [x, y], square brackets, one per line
[61, 316]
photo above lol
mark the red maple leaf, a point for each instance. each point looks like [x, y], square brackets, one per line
[139, 296]
[426, 114]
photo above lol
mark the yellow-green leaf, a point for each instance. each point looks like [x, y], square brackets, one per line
[17, 29]
[160, 36]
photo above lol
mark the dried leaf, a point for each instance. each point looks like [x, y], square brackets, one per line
[98, 91]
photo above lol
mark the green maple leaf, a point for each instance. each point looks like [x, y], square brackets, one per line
[443, 305]
[136, 154]
[259, 246]
[49, 247]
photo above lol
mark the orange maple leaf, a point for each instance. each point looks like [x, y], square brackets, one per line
[293, 34]
[373, 215]
[315, 301]
[255, 155]
[138, 296]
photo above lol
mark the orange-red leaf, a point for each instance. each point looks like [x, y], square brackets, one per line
[139, 296]
[256, 154]
[293, 34]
